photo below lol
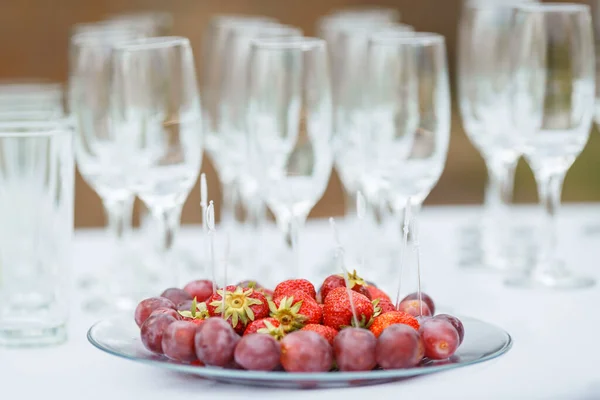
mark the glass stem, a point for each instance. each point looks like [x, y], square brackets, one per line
[119, 225]
[499, 189]
[167, 222]
[549, 191]
[292, 226]
[228, 202]
[350, 203]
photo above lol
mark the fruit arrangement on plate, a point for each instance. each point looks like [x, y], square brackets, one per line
[348, 324]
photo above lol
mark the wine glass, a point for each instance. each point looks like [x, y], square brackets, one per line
[156, 110]
[485, 104]
[213, 68]
[32, 95]
[409, 100]
[98, 153]
[232, 130]
[554, 105]
[290, 117]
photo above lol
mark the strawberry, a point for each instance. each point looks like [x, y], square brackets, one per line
[382, 306]
[288, 287]
[335, 281]
[268, 293]
[241, 306]
[295, 311]
[337, 312]
[377, 293]
[390, 318]
[269, 326]
[326, 331]
[197, 312]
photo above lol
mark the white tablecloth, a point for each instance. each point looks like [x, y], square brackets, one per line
[556, 334]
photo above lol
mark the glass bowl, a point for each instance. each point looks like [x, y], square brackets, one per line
[120, 337]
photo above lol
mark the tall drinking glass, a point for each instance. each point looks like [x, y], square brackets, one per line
[157, 115]
[36, 208]
[410, 123]
[289, 115]
[554, 105]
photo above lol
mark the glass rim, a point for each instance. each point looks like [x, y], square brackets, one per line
[570, 8]
[54, 127]
[152, 43]
[408, 38]
[506, 4]
[240, 29]
[103, 38]
[372, 30]
[234, 19]
[302, 43]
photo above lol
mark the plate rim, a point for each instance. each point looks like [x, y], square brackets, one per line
[293, 377]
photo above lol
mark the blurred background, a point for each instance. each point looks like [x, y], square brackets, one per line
[33, 44]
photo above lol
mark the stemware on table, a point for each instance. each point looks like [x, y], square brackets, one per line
[36, 206]
[408, 140]
[99, 153]
[156, 111]
[554, 89]
[232, 129]
[484, 92]
[290, 121]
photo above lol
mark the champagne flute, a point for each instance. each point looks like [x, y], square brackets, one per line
[554, 105]
[157, 112]
[289, 116]
[409, 98]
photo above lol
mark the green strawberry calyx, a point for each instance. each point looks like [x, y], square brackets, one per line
[288, 314]
[196, 311]
[236, 305]
[276, 332]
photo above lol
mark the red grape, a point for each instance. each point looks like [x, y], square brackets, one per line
[185, 305]
[399, 346]
[440, 338]
[456, 323]
[354, 349]
[147, 306]
[215, 342]
[414, 308]
[425, 297]
[178, 341]
[257, 352]
[176, 295]
[167, 311]
[201, 289]
[306, 351]
[152, 331]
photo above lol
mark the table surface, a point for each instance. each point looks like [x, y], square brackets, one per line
[555, 333]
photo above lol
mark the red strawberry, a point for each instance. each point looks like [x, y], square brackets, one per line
[382, 306]
[241, 306]
[269, 325]
[288, 287]
[337, 312]
[326, 331]
[377, 293]
[295, 311]
[335, 281]
[390, 318]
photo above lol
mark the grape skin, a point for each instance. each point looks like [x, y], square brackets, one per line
[306, 351]
[178, 341]
[201, 289]
[215, 342]
[354, 349]
[257, 352]
[399, 346]
[440, 338]
[176, 295]
[147, 307]
[152, 331]
[426, 298]
[456, 323]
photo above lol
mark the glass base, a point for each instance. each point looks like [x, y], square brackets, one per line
[32, 336]
[560, 280]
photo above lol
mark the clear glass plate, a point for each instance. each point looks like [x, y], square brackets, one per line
[120, 337]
